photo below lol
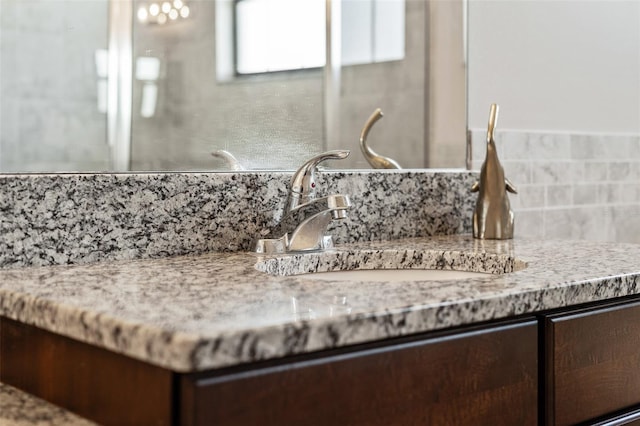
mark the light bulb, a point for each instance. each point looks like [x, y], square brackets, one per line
[162, 18]
[184, 12]
[154, 9]
[143, 14]
[173, 15]
[166, 7]
[178, 4]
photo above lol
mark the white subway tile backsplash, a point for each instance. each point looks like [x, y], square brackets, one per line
[585, 194]
[518, 172]
[625, 223]
[607, 193]
[528, 224]
[620, 171]
[528, 197]
[547, 146]
[514, 146]
[596, 171]
[559, 195]
[552, 172]
[629, 192]
[577, 223]
[585, 147]
[577, 171]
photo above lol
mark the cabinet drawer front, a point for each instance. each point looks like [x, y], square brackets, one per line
[480, 377]
[593, 363]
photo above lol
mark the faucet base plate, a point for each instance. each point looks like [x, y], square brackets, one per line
[281, 245]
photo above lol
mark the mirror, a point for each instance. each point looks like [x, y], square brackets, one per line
[145, 85]
[98, 85]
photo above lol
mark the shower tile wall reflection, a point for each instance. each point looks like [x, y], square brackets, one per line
[195, 114]
[577, 186]
[49, 114]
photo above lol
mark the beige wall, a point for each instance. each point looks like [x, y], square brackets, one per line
[555, 65]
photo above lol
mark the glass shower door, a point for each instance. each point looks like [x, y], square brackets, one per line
[53, 86]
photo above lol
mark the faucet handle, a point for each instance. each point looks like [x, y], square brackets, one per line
[303, 182]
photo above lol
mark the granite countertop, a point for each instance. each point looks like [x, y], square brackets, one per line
[18, 408]
[193, 313]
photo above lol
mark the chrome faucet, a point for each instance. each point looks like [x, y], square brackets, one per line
[306, 217]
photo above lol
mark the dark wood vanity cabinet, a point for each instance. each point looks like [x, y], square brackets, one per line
[592, 359]
[100, 385]
[486, 376]
[471, 376]
[572, 366]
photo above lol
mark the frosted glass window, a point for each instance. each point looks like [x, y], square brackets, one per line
[388, 30]
[277, 35]
[357, 31]
[372, 31]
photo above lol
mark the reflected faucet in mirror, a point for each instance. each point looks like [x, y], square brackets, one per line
[306, 217]
[376, 160]
[229, 159]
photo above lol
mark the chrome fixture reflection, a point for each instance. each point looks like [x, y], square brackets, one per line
[162, 12]
[493, 217]
[306, 218]
[148, 72]
[230, 160]
[376, 160]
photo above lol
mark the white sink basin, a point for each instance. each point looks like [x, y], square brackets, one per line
[394, 275]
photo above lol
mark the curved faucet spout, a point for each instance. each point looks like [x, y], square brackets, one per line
[376, 160]
[303, 182]
[230, 160]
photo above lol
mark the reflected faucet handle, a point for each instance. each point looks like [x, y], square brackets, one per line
[303, 182]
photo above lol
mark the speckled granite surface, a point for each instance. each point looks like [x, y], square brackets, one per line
[199, 312]
[18, 408]
[70, 219]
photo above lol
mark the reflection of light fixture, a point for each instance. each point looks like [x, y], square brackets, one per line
[143, 14]
[161, 13]
[148, 71]
[102, 72]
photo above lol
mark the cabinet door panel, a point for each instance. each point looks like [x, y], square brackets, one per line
[593, 363]
[480, 377]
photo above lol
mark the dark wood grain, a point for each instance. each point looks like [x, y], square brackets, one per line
[486, 377]
[97, 384]
[593, 363]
